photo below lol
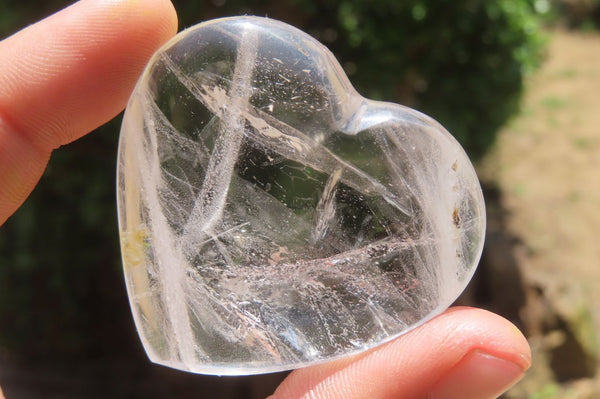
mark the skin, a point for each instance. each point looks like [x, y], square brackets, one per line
[75, 70]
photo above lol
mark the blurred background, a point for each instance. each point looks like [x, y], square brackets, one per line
[516, 81]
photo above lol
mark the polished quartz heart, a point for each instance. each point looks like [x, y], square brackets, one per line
[271, 217]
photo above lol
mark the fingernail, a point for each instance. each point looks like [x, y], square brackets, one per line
[477, 376]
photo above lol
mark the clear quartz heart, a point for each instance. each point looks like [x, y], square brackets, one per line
[271, 217]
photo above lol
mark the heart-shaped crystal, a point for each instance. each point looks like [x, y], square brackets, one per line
[271, 217]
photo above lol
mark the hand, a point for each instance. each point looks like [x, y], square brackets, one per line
[66, 75]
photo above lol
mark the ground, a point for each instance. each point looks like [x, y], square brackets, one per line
[546, 166]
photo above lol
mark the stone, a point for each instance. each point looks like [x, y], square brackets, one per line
[272, 218]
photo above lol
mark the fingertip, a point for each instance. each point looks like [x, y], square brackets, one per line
[159, 16]
[477, 376]
[86, 59]
[412, 364]
[482, 329]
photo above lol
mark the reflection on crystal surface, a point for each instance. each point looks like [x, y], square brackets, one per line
[271, 217]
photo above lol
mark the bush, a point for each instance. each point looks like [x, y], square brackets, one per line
[577, 14]
[461, 61]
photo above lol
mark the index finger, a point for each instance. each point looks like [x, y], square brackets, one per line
[67, 75]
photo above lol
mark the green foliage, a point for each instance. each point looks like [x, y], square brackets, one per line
[8, 18]
[583, 15]
[463, 62]
[549, 391]
[16, 14]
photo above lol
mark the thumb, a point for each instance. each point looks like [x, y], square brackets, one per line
[464, 353]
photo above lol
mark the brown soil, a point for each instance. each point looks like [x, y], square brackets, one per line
[546, 164]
